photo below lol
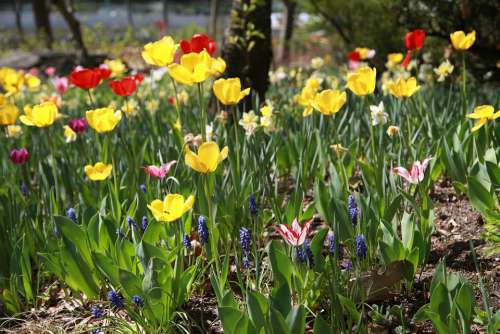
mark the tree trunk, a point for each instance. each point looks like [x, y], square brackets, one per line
[130, 21]
[165, 14]
[74, 26]
[18, 8]
[41, 13]
[287, 31]
[249, 58]
[214, 11]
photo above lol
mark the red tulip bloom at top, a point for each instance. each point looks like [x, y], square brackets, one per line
[199, 42]
[86, 78]
[124, 87]
[414, 40]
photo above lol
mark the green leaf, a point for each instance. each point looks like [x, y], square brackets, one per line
[320, 326]
[229, 317]
[257, 309]
[296, 320]
[278, 322]
[281, 299]
[479, 196]
[280, 263]
[349, 307]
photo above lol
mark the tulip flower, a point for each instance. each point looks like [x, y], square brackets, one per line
[19, 156]
[98, 172]
[461, 41]
[483, 114]
[403, 88]
[8, 113]
[14, 131]
[50, 71]
[159, 172]
[104, 71]
[306, 96]
[78, 125]
[139, 77]
[228, 91]
[116, 66]
[294, 235]
[196, 68]
[199, 42]
[171, 208]
[393, 59]
[32, 82]
[124, 87]
[329, 101]
[161, 52]
[40, 115]
[414, 40]
[354, 56]
[61, 85]
[392, 131]
[416, 173]
[365, 53]
[86, 78]
[207, 159]
[69, 134]
[103, 119]
[362, 81]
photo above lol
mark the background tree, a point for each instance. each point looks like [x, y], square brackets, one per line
[287, 30]
[18, 8]
[248, 49]
[214, 11]
[41, 14]
[68, 14]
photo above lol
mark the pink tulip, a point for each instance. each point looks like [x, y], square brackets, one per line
[34, 71]
[61, 85]
[159, 172]
[416, 173]
[50, 71]
[295, 235]
[78, 125]
[19, 156]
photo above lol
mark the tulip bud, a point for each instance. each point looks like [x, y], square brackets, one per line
[20, 156]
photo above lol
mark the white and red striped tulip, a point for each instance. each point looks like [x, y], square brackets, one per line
[416, 174]
[295, 235]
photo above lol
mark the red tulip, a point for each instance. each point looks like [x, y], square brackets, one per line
[124, 87]
[295, 235]
[78, 125]
[354, 56]
[105, 71]
[199, 42]
[171, 100]
[414, 40]
[139, 77]
[20, 156]
[85, 78]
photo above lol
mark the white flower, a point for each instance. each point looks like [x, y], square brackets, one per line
[249, 122]
[379, 116]
[209, 131]
[317, 63]
[444, 69]
[276, 76]
[14, 131]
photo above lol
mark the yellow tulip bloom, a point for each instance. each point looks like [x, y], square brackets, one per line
[11, 80]
[393, 59]
[32, 82]
[69, 134]
[403, 88]
[208, 158]
[171, 208]
[306, 96]
[483, 114]
[461, 41]
[196, 68]
[40, 115]
[8, 114]
[362, 81]
[116, 66]
[98, 172]
[160, 53]
[228, 91]
[103, 119]
[329, 101]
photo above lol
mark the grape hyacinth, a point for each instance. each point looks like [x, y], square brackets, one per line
[353, 209]
[116, 299]
[96, 312]
[131, 223]
[143, 188]
[24, 189]
[186, 242]
[137, 300]
[252, 205]
[331, 243]
[309, 254]
[71, 213]
[246, 262]
[144, 223]
[245, 242]
[202, 230]
[361, 246]
[300, 254]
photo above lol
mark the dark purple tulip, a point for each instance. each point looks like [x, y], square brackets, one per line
[19, 156]
[78, 125]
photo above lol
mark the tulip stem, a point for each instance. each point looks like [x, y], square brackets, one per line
[235, 126]
[202, 110]
[464, 83]
[91, 99]
[177, 109]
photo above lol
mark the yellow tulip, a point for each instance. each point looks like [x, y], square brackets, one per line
[208, 158]
[393, 59]
[483, 114]
[116, 66]
[103, 119]
[69, 134]
[461, 41]
[228, 91]
[196, 68]
[32, 82]
[329, 101]
[362, 81]
[40, 115]
[160, 53]
[98, 172]
[8, 114]
[11, 80]
[306, 96]
[171, 208]
[404, 88]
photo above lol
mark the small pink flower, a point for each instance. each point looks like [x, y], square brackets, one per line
[295, 235]
[353, 64]
[78, 125]
[19, 156]
[159, 172]
[50, 71]
[416, 173]
[34, 71]
[61, 85]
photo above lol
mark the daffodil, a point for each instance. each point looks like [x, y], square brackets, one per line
[207, 159]
[379, 116]
[228, 91]
[14, 131]
[69, 134]
[329, 101]
[483, 114]
[98, 172]
[306, 96]
[103, 119]
[392, 131]
[444, 69]
[160, 53]
[40, 115]
[266, 120]
[362, 81]
[116, 66]
[8, 114]
[317, 63]
[196, 68]
[404, 88]
[173, 207]
[462, 41]
[249, 122]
